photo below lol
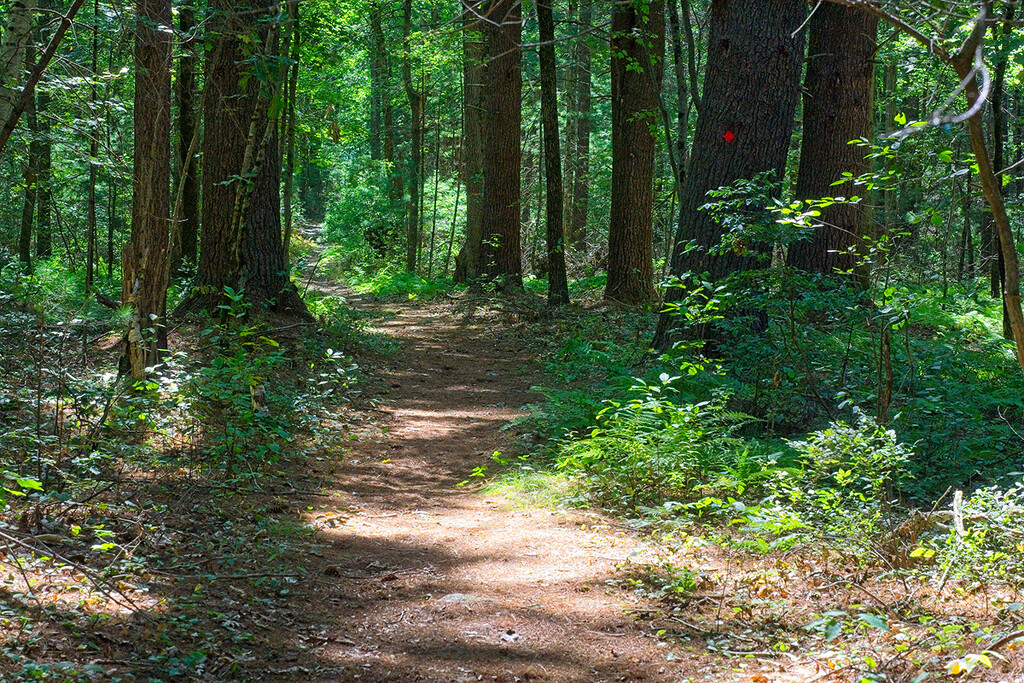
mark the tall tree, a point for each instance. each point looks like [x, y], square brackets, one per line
[378, 58]
[558, 288]
[501, 257]
[94, 148]
[241, 244]
[474, 68]
[638, 47]
[288, 127]
[417, 101]
[145, 257]
[838, 108]
[744, 125]
[578, 156]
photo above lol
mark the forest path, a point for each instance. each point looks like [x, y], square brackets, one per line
[422, 580]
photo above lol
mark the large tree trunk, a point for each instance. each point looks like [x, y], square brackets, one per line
[838, 107]
[637, 47]
[241, 243]
[474, 69]
[558, 288]
[744, 125]
[501, 257]
[579, 133]
[145, 257]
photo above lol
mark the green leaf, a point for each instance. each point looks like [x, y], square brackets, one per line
[875, 620]
[32, 484]
[901, 119]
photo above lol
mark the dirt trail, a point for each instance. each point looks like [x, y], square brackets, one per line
[421, 580]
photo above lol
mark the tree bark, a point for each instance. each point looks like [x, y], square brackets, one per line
[44, 230]
[289, 127]
[501, 257]
[838, 107]
[744, 126]
[94, 148]
[241, 243]
[378, 57]
[417, 100]
[144, 260]
[558, 287]
[579, 133]
[637, 47]
[16, 39]
[30, 174]
[474, 65]
[187, 227]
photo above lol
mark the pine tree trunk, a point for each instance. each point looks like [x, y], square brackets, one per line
[145, 257]
[241, 243]
[558, 287]
[744, 125]
[501, 257]
[638, 47]
[474, 55]
[838, 107]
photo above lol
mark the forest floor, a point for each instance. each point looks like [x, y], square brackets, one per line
[386, 559]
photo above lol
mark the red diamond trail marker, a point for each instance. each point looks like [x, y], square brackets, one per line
[729, 137]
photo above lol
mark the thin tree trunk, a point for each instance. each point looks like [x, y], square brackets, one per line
[963, 64]
[30, 173]
[289, 127]
[44, 194]
[378, 57]
[999, 134]
[558, 287]
[637, 46]
[579, 133]
[186, 227]
[94, 148]
[416, 101]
